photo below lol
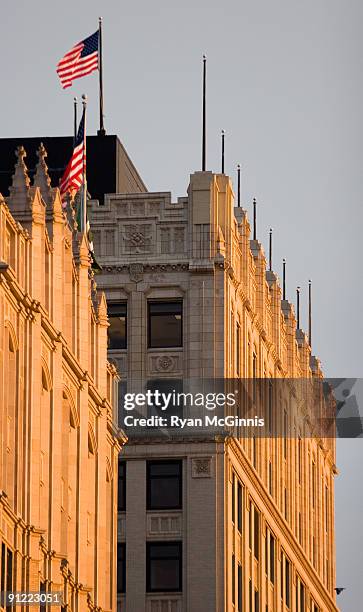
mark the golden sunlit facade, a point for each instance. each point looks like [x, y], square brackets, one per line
[59, 443]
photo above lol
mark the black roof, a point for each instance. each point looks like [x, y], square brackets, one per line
[109, 169]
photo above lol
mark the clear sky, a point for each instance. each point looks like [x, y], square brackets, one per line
[285, 82]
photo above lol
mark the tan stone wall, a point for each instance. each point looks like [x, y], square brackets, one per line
[58, 442]
[220, 273]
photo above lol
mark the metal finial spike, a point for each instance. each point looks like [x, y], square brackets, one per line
[270, 250]
[284, 279]
[238, 185]
[204, 114]
[298, 307]
[310, 318]
[223, 137]
[254, 219]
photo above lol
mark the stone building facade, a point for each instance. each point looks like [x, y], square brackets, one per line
[211, 524]
[59, 442]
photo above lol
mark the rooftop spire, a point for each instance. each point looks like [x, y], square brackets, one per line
[42, 178]
[204, 114]
[223, 138]
[19, 190]
[239, 185]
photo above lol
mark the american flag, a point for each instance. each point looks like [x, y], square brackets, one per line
[73, 176]
[81, 60]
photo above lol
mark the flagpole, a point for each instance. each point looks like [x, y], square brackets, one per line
[101, 131]
[75, 121]
[84, 195]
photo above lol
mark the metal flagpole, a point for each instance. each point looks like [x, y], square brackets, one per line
[204, 137]
[75, 121]
[270, 251]
[223, 137]
[239, 185]
[101, 131]
[310, 312]
[84, 195]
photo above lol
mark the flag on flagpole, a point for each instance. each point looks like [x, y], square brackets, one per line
[74, 173]
[81, 60]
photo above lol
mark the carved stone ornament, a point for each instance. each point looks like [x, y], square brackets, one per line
[138, 237]
[202, 467]
[136, 271]
[164, 363]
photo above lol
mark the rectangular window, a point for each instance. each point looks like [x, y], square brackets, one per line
[272, 558]
[121, 567]
[287, 583]
[256, 547]
[286, 504]
[233, 580]
[163, 566]
[257, 601]
[173, 386]
[250, 594]
[233, 498]
[239, 588]
[270, 480]
[164, 485]
[121, 493]
[238, 349]
[117, 331]
[165, 324]
[239, 506]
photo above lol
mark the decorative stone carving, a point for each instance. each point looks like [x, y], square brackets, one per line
[138, 238]
[42, 178]
[136, 271]
[202, 467]
[138, 209]
[19, 190]
[164, 363]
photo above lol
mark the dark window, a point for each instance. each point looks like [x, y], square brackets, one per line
[257, 601]
[163, 566]
[165, 324]
[287, 583]
[42, 590]
[233, 580]
[272, 558]
[302, 597]
[250, 594]
[256, 548]
[233, 498]
[167, 386]
[164, 485]
[3, 566]
[121, 493]
[121, 567]
[239, 506]
[238, 349]
[239, 587]
[117, 331]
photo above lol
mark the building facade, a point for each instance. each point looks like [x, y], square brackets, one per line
[59, 442]
[214, 523]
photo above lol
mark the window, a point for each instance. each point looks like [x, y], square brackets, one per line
[117, 331]
[257, 601]
[239, 588]
[270, 480]
[165, 324]
[166, 385]
[121, 493]
[256, 547]
[121, 567]
[233, 497]
[239, 506]
[6, 574]
[272, 558]
[164, 485]
[238, 349]
[163, 566]
[270, 398]
[233, 579]
[254, 375]
[287, 583]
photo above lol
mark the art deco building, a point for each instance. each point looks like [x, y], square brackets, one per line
[59, 443]
[212, 523]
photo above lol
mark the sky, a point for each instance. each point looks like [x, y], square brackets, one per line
[285, 83]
